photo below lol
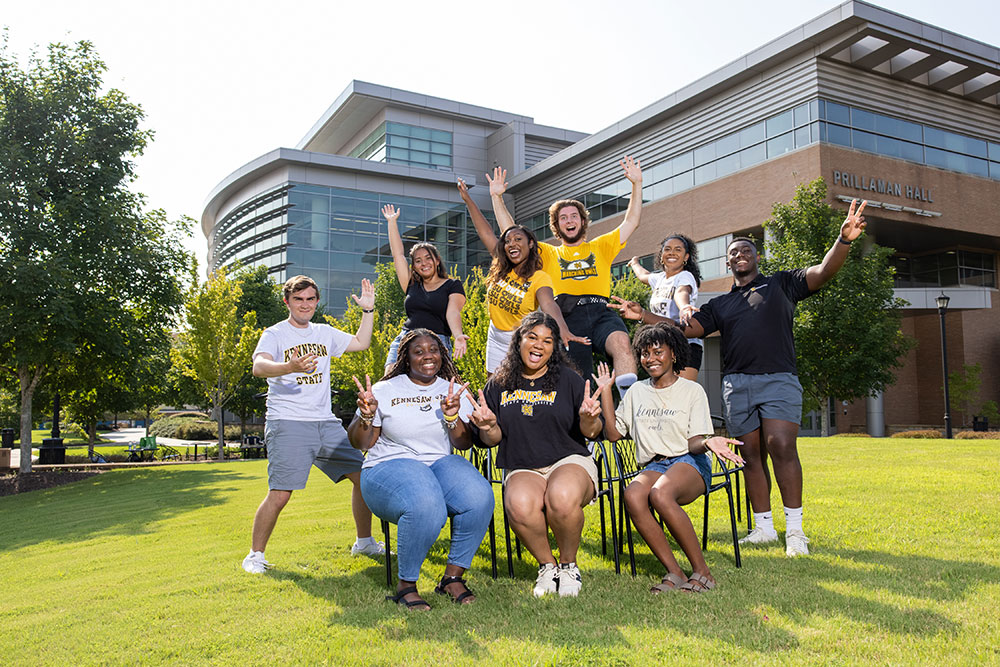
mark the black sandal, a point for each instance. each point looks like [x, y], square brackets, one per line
[449, 580]
[398, 598]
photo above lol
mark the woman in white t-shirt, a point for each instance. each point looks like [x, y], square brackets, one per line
[675, 289]
[668, 419]
[408, 422]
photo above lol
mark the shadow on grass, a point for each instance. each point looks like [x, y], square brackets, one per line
[124, 502]
[760, 607]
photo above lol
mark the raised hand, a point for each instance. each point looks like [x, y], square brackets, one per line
[367, 299]
[855, 223]
[482, 416]
[605, 377]
[720, 447]
[390, 212]
[463, 189]
[305, 364]
[366, 399]
[451, 402]
[590, 406]
[633, 171]
[498, 184]
[630, 310]
[461, 345]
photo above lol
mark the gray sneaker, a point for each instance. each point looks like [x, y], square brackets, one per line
[255, 563]
[760, 536]
[796, 544]
[370, 549]
[547, 581]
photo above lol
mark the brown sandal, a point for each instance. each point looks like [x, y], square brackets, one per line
[698, 583]
[671, 582]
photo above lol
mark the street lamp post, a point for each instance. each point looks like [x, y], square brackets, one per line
[942, 305]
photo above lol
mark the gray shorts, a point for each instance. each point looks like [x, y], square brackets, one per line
[747, 399]
[293, 447]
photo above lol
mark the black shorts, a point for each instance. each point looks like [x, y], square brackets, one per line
[696, 354]
[595, 321]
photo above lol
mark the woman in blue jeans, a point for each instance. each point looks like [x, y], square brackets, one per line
[408, 422]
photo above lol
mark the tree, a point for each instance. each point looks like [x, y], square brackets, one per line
[847, 335]
[215, 348]
[76, 253]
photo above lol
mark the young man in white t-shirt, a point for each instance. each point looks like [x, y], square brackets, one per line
[302, 431]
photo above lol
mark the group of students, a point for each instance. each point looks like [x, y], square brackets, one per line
[549, 308]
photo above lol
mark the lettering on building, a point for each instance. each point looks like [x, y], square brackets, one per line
[883, 186]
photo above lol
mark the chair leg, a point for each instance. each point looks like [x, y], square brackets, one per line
[739, 505]
[749, 509]
[732, 525]
[628, 536]
[388, 553]
[704, 526]
[614, 532]
[493, 546]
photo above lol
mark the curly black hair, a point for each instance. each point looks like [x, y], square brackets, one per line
[501, 263]
[510, 374]
[664, 335]
[692, 251]
[402, 365]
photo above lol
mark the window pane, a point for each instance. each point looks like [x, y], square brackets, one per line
[838, 135]
[801, 114]
[780, 145]
[864, 120]
[995, 170]
[440, 135]
[780, 123]
[728, 144]
[994, 151]
[704, 154]
[683, 181]
[753, 155]
[682, 162]
[954, 142]
[419, 132]
[752, 135]
[704, 173]
[864, 141]
[727, 165]
[802, 136]
[838, 113]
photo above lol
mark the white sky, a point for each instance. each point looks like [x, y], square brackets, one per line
[223, 82]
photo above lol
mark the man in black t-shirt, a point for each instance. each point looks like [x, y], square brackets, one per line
[761, 393]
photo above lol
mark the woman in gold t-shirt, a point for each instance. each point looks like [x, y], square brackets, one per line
[516, 284]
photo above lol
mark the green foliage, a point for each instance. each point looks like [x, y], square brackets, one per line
[80, 264]
[631, 288]
[963, 387]
[475, 324]
[216, 346]
[847, 336]
[989, 410]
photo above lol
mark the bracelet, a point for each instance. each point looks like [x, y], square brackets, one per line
[841, 240]
[451, 424]
[367, 311]
[366, 419]
[452, 418]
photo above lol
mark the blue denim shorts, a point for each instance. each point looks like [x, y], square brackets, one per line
[700, 462]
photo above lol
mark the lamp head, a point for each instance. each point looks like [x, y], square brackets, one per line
[942, 302]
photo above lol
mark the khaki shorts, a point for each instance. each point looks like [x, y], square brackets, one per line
[585, 462]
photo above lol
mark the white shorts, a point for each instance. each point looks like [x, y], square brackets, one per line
[497, 344]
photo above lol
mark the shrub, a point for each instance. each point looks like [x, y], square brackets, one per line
[925, 433]
[977, 435]
[851, 435]
[167, 427]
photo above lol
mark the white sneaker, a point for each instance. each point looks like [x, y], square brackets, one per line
[255, 563]
[370, 549]
[760, 536]
[547, 581]
[796, 544]
[569, 580]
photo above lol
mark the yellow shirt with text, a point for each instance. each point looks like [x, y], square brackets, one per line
[582, 269]
[511, 298]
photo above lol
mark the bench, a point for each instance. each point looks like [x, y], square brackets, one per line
[253, 447]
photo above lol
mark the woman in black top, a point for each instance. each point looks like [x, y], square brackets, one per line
[433, 300]
[540, 412]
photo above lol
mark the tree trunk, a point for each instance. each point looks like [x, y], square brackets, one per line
[222, 430]
[149, 411]
[91, 437]
[824, 421]
[28, 382]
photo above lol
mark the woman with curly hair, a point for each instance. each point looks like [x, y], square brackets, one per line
[516, 284]
[675, 289]
[540, 412]
[408, 422]
[433, 300]
[668, 419]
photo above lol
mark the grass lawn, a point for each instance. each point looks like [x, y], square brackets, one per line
[69, 437]
[143, 565]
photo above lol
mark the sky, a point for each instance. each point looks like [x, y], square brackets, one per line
[223, 82]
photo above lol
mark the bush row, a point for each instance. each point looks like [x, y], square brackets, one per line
[924, 433]
[193, 428]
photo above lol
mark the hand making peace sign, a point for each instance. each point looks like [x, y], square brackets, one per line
[451, 403]
[366, 399]
[481, 416]
[590, 406]
[855, 223]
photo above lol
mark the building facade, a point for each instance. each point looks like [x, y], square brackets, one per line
[882, 106]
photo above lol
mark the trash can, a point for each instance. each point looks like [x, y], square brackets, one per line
[7, 438]
[52, 451]
[978, 424]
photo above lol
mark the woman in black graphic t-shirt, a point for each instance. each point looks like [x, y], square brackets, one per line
[433, 300]
[540, 412]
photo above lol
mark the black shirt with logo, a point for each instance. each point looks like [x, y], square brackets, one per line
[539, 427]
[427, 309]
[755, 321]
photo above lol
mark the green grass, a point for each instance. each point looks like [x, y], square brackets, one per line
[69, 437]
[142, 565]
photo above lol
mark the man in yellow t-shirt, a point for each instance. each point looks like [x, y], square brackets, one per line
[581, 272]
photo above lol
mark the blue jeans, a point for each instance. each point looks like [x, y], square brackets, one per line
[419, 499]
